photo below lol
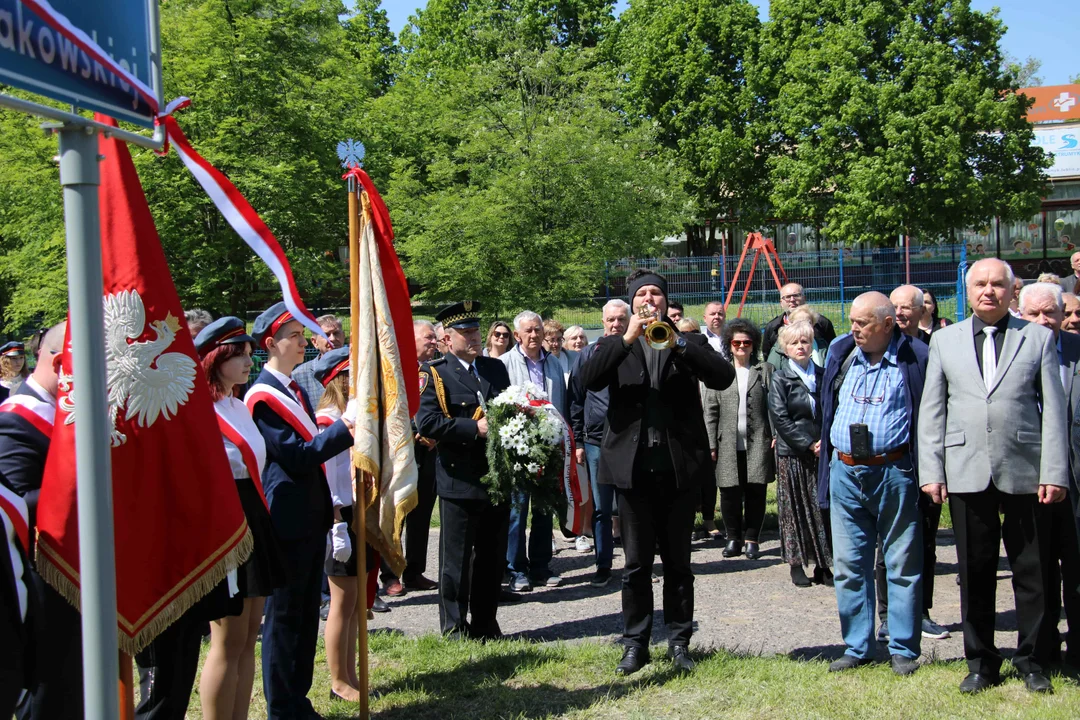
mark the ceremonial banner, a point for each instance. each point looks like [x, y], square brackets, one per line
[387, 389]
[179, 527]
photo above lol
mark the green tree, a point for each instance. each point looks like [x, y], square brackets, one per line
[1025, 73]
[685, 62]
[892, 117]
[510, 173]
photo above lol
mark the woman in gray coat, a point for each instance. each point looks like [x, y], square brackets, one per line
[741, 439]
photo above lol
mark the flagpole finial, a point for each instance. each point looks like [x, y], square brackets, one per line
[351, 153]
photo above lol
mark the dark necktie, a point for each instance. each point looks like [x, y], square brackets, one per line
[299, 395]
[472, 371]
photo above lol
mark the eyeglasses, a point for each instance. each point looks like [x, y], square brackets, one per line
[794, 296]
[742, 343]
[870, 399]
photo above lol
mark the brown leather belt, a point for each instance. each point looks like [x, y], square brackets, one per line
[891, 456]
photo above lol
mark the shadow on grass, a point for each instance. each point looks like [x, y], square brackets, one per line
[485, 687]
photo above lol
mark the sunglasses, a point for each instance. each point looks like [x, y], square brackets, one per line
[742, 343]
[500, 335]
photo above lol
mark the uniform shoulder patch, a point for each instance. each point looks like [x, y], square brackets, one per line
[425, 378]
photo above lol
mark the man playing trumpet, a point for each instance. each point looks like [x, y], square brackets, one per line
[656, 454]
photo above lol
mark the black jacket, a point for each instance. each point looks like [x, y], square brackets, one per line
[823, 333]
[623, 371]
[796, 423]
[448, 408]
[588, 408]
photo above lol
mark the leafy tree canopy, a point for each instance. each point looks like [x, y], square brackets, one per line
[891, 117]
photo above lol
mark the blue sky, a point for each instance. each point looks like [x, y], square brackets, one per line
[1044, 29]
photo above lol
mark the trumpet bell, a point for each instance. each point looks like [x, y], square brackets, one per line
[659, 336]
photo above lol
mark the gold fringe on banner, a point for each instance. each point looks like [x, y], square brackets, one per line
[63, 578]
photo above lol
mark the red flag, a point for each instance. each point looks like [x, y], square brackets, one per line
[178, 522]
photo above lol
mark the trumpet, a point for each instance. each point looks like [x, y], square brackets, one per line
[658, 334]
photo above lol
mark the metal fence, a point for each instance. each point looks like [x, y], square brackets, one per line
[830, 279]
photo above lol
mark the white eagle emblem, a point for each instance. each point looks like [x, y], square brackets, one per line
[142, 377]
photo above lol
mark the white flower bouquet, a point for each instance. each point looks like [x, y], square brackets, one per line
[527, 448]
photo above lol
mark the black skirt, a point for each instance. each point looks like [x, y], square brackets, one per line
[217, 604]
[334, 568]
[264, 571]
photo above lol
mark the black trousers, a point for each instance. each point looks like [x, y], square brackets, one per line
[708, 502]
[930, 512]
[167, 669]
[979, 533]
[291, 629]
[418, 522]
[472, 556]
[743, 507]
[1063, 580]
[656, 514]
[58, 648]
[15, 657]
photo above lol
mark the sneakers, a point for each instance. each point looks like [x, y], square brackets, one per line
[904, 665]
[582, 544]
[932, 630]
[519, 583]
[601, 578]
[883, 632]
[553, 580]
[848, 662]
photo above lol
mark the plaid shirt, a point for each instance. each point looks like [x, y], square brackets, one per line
[873, 394]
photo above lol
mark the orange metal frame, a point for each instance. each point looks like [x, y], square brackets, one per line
[761, 246]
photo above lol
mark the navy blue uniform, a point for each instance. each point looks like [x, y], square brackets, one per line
[472, 529]
[56, 630]
[302, 513]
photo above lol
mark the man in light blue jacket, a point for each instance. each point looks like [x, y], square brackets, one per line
[527, 362]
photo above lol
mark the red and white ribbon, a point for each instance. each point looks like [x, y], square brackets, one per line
[236, 209]
[240, 215]
[576, 492]
[58, 22]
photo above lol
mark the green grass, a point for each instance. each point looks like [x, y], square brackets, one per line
[428, 677]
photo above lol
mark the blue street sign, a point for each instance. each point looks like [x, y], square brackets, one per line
[38, 58]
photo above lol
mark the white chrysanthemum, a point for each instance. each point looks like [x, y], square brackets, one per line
[532, 467]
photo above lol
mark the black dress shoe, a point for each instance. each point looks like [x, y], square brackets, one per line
[798, 576]
[380, 605]
[633, 659]
[976, 683]
[904, 665]
[823, 577]
[848, 662]
[680, 657]
[733, 549]
[1037, 682]
[753, 551]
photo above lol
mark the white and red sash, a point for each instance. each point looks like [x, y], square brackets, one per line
[229, 431]
[285, 406]
[579, 502]
[38, 413]
[14, 507]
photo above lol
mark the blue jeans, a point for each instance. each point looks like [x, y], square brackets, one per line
[537, 564]
[868, 502]
[603, 497]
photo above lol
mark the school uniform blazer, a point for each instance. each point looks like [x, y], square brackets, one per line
[23, 449]
[293, 479]
[623, 372]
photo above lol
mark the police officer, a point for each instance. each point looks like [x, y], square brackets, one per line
[454, 390]
[656, 453]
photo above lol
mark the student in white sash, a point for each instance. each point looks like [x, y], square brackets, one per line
[225, 689]
[300, 508]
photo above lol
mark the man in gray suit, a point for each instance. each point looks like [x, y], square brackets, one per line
[1042, 303]
[992, 435]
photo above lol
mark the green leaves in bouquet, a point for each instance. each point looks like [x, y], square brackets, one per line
[507, 472]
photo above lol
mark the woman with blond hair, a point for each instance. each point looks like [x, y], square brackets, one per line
[818, 349]
[342, 623]
[575, 339]
[795, 413]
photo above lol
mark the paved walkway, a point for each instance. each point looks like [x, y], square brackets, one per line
[741, 605]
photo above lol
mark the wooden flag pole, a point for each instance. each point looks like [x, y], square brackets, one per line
[127, 688]
[360, 493]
